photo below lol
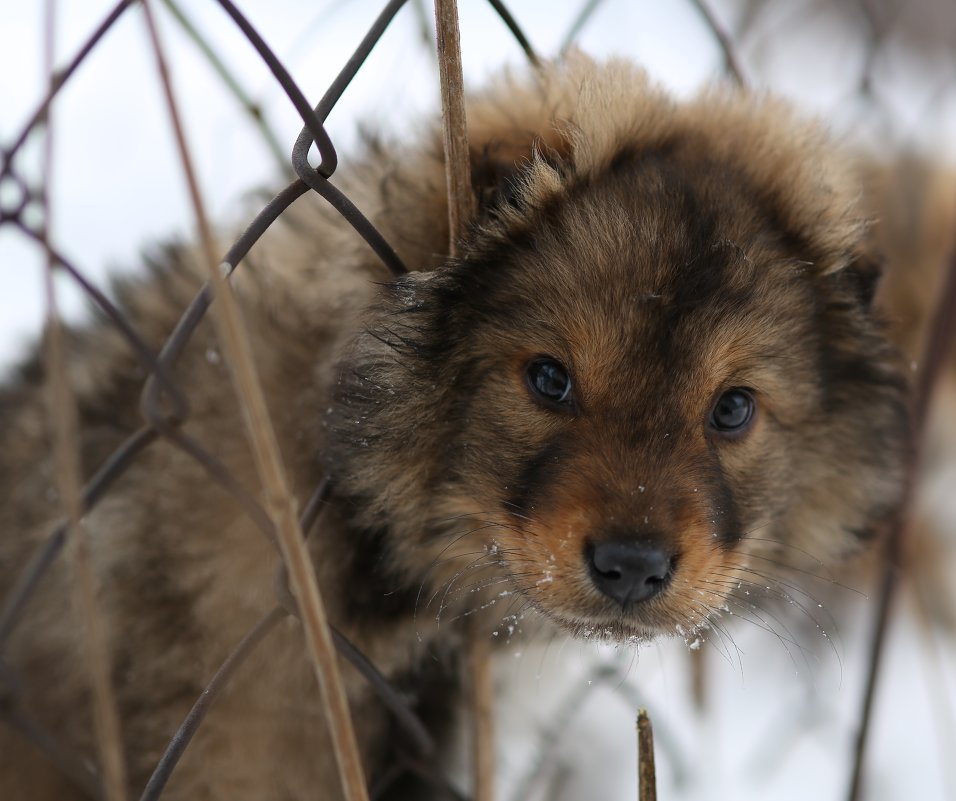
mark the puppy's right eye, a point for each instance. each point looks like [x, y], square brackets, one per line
[550, 381]
[733, 412]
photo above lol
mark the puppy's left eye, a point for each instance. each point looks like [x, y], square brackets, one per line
[733, 411]
[549, 380]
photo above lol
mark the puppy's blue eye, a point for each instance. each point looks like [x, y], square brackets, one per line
[549, 380]
[733, 411]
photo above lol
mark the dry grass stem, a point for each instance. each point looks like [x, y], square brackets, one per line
[66, 459]
[482, 704]
[726, 44]
[250, 106]
[646, 773]
[461, 200]
[461, 208]
[279, 500]
[577, 25]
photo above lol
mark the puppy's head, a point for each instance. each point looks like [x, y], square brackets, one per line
[652, 375]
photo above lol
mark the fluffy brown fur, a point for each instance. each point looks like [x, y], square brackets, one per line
[664, 253]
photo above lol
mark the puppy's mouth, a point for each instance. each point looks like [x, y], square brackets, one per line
[629, 626]
[605, 629]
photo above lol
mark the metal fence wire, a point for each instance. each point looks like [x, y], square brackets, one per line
[165, 408]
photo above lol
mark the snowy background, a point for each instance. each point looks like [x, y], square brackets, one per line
[780, 708]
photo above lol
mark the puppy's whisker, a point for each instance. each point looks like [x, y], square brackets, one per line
[776, 543]
[828, 628]
[441, 559]
[724, 639]
[781, 589]
[483, 562]
[758, 612]
[736, 583]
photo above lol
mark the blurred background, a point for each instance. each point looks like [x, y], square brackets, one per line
[771, 710]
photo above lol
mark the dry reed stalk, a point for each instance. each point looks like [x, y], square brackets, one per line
[231, 82]
[582, 18]
[66, 459]
[461, 209]
[646, 772]
[732, 63]
[482, 704]
[461, 199]
[279, 501]
[698, 678]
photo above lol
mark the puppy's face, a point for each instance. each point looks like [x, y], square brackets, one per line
[627, 403]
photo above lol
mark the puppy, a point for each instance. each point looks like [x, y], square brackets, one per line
[651, 377]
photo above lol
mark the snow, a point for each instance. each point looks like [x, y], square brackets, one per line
[775, 725]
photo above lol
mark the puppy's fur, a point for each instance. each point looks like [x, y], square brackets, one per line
[663, 253]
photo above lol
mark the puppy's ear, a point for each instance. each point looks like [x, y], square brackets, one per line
[499, 169]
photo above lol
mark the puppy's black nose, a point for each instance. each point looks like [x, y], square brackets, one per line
[627, 571]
